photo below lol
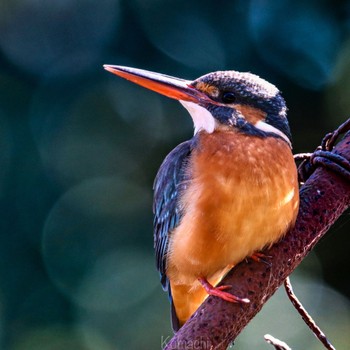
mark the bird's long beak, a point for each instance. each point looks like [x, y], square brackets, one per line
[176, 88]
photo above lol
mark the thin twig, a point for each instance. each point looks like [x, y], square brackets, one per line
[278, 344]
[302, 156]
[330, 139]
[306, 317]
[324, 156]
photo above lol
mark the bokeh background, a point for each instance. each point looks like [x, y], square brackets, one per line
[80, 148]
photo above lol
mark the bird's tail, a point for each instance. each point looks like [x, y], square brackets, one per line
[185, 301]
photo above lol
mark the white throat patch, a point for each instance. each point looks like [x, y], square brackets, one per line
[202, 118]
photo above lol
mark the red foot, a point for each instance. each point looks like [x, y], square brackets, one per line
[219, 292]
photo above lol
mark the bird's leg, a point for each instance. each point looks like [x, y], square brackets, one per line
[219, 292]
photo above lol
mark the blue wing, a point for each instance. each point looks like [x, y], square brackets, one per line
[170, 181]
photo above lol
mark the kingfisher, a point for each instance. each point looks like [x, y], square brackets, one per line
[225, 194]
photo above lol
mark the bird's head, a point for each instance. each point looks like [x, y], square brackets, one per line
[223, 99]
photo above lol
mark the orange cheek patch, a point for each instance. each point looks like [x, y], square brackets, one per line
[208, 89]
[251, 114]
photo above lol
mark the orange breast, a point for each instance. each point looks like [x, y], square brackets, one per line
[243, 196]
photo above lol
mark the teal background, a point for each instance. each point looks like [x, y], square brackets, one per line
[80, 149]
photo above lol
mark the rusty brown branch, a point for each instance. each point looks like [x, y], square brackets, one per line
[323, 198]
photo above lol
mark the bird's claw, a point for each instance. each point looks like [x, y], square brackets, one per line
[220, 292]
[261, 257]
[223, 287]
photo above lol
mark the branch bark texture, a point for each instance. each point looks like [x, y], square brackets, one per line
[323, 198]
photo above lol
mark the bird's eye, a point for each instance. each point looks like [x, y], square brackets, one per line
[228, 97]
